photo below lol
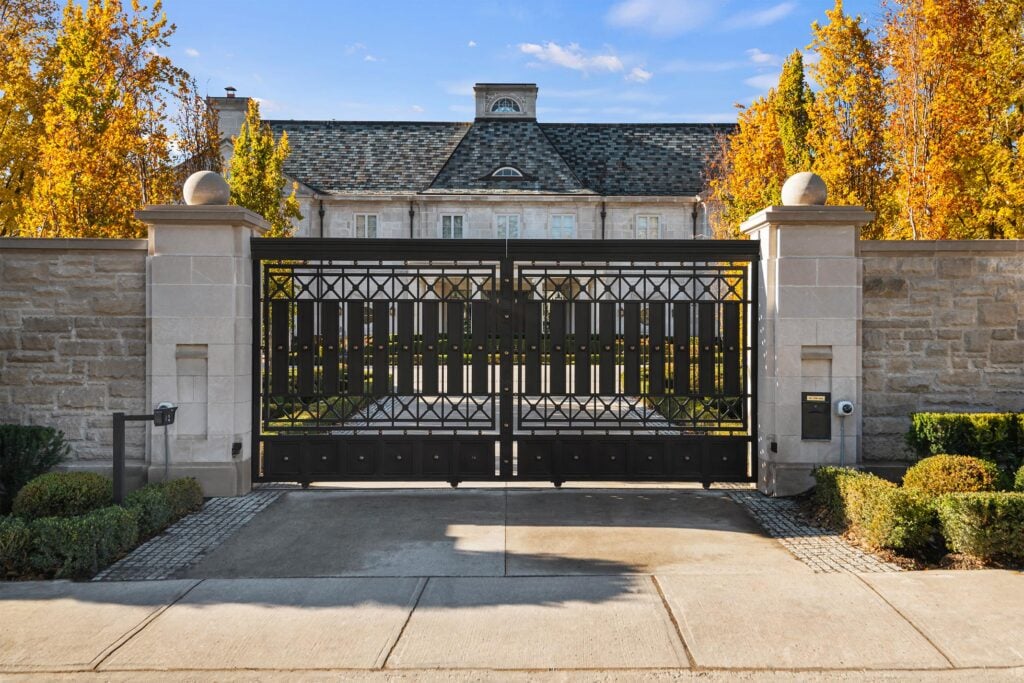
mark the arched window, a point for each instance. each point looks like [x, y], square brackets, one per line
[505, 105]
[508, 172]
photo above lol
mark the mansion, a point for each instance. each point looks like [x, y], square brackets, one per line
[504, 175]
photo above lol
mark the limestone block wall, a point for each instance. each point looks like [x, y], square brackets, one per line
[943, 329]
[73, 339]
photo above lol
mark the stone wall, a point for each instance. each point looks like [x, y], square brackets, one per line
[73, 339]
[943, 329]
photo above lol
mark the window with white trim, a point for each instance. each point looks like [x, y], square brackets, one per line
[648, 227]
[452, 226]
[563, 226]
[507, 226]
[505, 105]
[508, 172]
[366, 225]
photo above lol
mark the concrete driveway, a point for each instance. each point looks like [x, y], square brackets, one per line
[503, 532]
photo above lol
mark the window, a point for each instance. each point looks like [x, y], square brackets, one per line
[648, 227]
[366, 225]
[505, 105]
[451, 227]
[507, 226]
[508, 172]
[563, 226]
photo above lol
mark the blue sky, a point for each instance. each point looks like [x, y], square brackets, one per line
[619, 60]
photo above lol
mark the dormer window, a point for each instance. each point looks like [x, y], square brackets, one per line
[505, 105]
[508, 172]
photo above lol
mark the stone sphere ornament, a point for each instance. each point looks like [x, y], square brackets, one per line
[804, 189]
[206, 188]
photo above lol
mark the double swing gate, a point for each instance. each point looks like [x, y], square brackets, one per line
[504, 360]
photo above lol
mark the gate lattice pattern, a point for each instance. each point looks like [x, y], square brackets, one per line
[392, 359]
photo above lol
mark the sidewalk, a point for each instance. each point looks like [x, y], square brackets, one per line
[941, 625]
[511, 584]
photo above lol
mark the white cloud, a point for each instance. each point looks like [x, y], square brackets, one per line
[639, 75]
[758, 56]
[471, 43]
[354, 48]
[191, 52]
[662, 17]
[370, 58]
[417, 109]
[763, 81]
[571, 57]
[764, 17]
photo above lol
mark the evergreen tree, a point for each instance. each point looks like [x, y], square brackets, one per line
[792, 102]
[257, 176]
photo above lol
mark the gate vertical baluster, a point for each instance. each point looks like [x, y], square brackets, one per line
[505, 394]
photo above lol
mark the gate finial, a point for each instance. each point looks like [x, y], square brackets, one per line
[804, 189]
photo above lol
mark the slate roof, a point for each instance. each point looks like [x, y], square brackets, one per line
[635, 158]
[375, 157]
[381, 157]
[523, 145]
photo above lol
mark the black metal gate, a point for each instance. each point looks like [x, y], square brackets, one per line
[521, 360]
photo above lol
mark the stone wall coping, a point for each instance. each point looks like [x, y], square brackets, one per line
[938, 247]
[807, 215]
[209, 216]
[72, 244]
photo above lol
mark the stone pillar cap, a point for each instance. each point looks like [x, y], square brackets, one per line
[206, 188]
[804, 189]
[808, 215]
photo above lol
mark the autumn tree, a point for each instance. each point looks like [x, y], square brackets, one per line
[105, 150]
[196, 140]
[27, 29]
[792, 112]
[257, 179]
[848, 116]
[747, 173]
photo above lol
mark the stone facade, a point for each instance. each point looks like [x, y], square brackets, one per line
[73, 340]
[943, 330]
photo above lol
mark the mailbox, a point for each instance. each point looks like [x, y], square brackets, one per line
[816, 416]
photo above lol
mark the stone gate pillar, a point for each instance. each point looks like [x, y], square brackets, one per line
[809, 326]
[199, 336]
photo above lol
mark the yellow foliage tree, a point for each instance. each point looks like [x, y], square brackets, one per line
[847, 118]
[257, 178]
[26, 37]
[747, 173]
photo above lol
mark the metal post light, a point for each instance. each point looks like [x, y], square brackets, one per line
[162, 416]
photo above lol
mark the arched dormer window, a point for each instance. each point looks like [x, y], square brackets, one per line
[505, 105]
[508, 172]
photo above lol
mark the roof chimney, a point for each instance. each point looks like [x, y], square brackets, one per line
[230, 90]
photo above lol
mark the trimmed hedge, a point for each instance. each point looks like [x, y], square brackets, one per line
[15, 546]
[184, 495]
[63, 494]
[26, 451]
[879, 512]
[988, 526]
[1018, 481]
[78, 547]
[942, 474]
[998, 437]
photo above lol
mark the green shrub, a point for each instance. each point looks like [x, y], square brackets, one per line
[152, 509]
[989, 526]
[827, 491]
[1018, 481]
[941, 474]
[184, 495]
[63, 494]
[78, 547]
[26, 451]
[998, 437]
[15, 543]
[876, 510]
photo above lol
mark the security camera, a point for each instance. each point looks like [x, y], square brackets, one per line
[844, 408]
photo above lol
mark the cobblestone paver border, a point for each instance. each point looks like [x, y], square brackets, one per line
[186, 542]
[824, 551]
